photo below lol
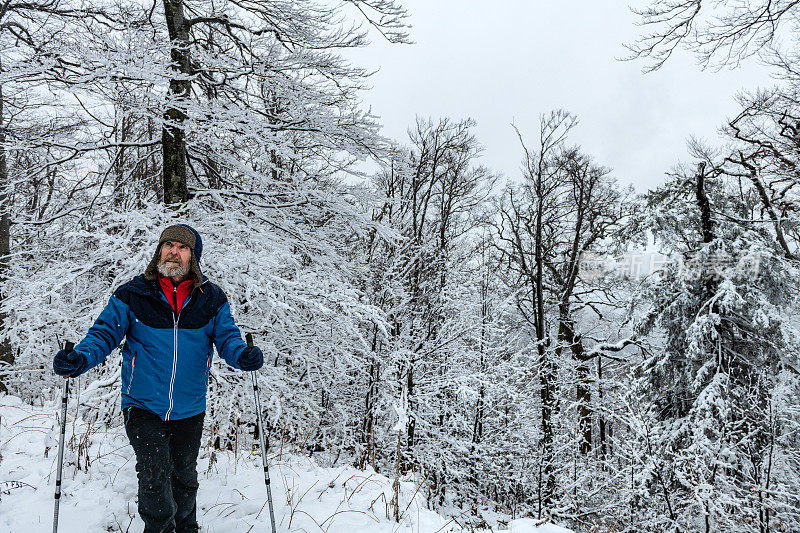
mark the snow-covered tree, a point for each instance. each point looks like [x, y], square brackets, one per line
[707, 425]
[566, 212]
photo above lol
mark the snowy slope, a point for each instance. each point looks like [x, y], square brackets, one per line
[232, 494]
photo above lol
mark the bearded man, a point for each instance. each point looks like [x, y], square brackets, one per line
[170, 317]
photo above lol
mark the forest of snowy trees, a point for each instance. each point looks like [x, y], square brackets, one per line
[550, 344]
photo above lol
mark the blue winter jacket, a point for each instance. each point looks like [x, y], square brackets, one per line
[165, 358]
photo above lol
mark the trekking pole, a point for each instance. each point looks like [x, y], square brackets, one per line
[68, 346]
[262, 436]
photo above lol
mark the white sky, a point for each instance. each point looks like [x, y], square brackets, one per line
[507, 61]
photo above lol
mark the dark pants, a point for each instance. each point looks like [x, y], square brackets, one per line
[166, 464]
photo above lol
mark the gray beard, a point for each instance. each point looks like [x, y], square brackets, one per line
[172, 272]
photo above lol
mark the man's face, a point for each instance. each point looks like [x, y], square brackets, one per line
[174, 261]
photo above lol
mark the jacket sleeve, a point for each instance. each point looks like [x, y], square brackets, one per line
[227, 337]
[106, 333]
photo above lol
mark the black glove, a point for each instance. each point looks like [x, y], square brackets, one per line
[69, 363]
[251, 358]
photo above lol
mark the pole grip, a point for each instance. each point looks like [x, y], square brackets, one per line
[249, 339]
[69, 346]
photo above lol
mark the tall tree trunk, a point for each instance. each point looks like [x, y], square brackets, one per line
[173, 141]
[704, 204]
[412, 423]
[6, 354]
[546, 367]
[118, 164]
[477, 429]
[583, 394]
[367, 437]
[601, 419]
[584, 397]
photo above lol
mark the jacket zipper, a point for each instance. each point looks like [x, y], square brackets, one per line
[176, 316]
[130, 381]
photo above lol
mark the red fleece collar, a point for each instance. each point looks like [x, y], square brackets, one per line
[184, 290]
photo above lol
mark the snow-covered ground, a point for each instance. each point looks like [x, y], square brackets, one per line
[100, 495]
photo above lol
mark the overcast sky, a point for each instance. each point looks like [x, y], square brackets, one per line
[508, 61]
